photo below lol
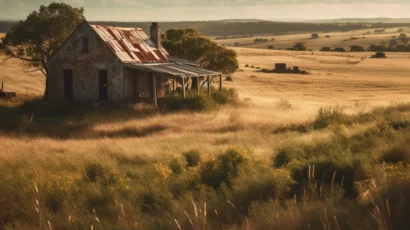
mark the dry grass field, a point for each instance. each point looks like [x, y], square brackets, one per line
[98, 169]
[355, 87]
[18, 78]
[337, 39]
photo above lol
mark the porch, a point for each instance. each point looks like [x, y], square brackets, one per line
[152, 82]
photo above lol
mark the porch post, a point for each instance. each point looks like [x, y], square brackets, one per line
[220, 83]
[154, 89]
[209, 85]
[183, 86]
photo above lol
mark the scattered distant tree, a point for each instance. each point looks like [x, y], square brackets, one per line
[403, 48]
[236, 44]
[35, 39]
[299, 46]
[378, 48]
[402, 35]
[271, 47]
[325, 49]
[260, 40]
[379, 55]
[327, 36]
[403, 38]
[357, 48]
[393, 42]
[400, 30]
[315, 36]
[188, 44]
[339, 49]
[273, 39]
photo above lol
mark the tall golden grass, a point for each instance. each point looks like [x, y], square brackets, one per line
[281, 164]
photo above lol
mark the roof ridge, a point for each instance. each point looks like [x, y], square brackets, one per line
[117, 28]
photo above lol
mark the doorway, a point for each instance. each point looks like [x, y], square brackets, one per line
[103, 85]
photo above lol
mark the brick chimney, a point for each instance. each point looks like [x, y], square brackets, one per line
[156, 34]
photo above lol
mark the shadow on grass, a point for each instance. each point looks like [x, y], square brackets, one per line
[30, 116]
[131, 132]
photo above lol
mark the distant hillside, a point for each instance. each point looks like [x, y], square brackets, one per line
[366, 20]
[232, 28]
[242, 27]
[5, 26]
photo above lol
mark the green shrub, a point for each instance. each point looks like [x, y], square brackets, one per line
[329, 174]
[54, 201]
[259, 182]
[95, 172]
[282, 158]
[101, 202]
[193, 158]
[397, 154]
[227, 96]
[330, 116]
[192, 101]
[224, 168]
[195, 101]
[177, 166]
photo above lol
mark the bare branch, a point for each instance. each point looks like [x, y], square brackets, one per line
[34, 70]
[42, 70]
[28, 59]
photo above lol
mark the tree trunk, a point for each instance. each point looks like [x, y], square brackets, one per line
[45, 97]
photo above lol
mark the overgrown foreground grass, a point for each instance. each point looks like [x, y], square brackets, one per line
[346, 181]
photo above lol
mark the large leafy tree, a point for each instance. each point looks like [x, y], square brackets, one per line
[188, 44]
[36, 38]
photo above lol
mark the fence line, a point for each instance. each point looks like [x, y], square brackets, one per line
[319, 54]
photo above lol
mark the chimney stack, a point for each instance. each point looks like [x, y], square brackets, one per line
[156, 34]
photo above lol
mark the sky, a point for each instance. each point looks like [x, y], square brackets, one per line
[191, 10]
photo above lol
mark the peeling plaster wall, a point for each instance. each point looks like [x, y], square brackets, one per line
[137, 84]
[85, 68]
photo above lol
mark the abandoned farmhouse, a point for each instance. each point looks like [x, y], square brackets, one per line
[102, 63]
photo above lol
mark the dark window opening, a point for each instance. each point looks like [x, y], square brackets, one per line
[103, 84]
[86, 41]
[68, 84]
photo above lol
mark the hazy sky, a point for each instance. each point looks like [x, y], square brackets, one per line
[171, 10]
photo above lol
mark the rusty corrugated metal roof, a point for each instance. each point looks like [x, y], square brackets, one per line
[174, 69]
[131, 45]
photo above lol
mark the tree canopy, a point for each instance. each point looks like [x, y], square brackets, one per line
[188, 44]
[36, 38]
[299, 46]
[357, 48]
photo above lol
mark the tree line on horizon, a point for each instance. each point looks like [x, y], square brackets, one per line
[229, 28]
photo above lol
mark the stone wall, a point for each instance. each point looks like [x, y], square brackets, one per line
[85, 66]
